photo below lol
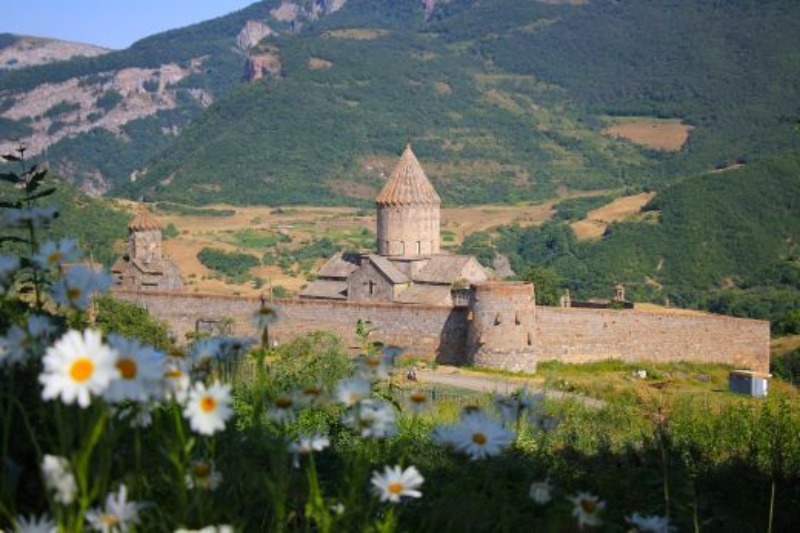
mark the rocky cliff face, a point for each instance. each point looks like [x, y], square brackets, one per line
[54, 111]
[32, 51]
[109, 100]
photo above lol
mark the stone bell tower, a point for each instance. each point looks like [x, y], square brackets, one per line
[408, 212]
[144, 238]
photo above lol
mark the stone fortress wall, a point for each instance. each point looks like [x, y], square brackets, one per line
[497, 330]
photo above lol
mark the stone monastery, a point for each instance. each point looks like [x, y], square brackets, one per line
[440, 306]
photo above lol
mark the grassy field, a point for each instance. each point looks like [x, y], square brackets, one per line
[664, 134]
[596, 222]
[258, 230]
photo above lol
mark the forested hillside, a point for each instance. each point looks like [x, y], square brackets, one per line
[725, 241]
[504, 100]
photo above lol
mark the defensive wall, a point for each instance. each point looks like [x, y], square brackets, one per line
[514, 338]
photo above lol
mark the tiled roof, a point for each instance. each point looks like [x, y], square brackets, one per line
[328, 289]
[444, 269]
[340, 266]
[388, 269]
[425, 294]
[408, 184]
[143, 221]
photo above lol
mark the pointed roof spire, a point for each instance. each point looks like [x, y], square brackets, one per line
[143, 221]
[408, 184]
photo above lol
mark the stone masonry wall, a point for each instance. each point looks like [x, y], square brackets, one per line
[585, 335]
[431, 332]
[565, 334]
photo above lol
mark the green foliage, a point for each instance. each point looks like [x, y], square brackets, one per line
[62, 108]
[312, 360]
[546, 283]
[109, 100]
[721, 241]
[577, 208]
[170, 232]
[186, 210]
[233, 264]
[130, 320]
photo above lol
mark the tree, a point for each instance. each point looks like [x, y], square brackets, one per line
[133, 321]
[546, 282]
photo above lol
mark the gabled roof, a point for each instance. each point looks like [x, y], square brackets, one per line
[340, 266]
[425, 294]
[143, 221]
[408, 184]
[445, 269]
[388, 269]
[327, 289]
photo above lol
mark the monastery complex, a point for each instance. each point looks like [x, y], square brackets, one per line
[440, 306]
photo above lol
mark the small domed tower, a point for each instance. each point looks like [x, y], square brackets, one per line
[408, 212]
[501, 328]
[144, 238]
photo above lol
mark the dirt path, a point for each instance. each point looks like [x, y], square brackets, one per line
[464, 379]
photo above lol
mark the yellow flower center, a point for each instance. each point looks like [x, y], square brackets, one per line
[372, 361]
[479, 438]
[127, 368]
[395, 488]
[73, 293]
[202, 470]
[109, 520]
[81, 369]
[173, 374]
[312, 391]
[418, 397]
[54, 258]
[588, 506]
[283, 403]
[208, 403]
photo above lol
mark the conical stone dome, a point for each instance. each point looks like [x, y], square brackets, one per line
[143, 221]
[408, 212]
[408, 184]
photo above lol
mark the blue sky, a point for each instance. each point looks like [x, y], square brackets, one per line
[109, 23]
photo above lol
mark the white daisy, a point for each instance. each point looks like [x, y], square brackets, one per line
[310, 396]
[224, 528]
[77, 366]
[141, 371]
[55, 254]
[203, 475]
[176, 379]
[650, 524]
[479, 436]
[352, 390]
[78, 285]
[58, 477]
[586, 509]
[283, 410]
[35, 524]
[373, 368]
[541, 491]
[208, 408]
[305, 445]
[395, 483]
[118, 514]
[371, 419]
[19, 343]
[419, 401]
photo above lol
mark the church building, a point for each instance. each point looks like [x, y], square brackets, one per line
[144, 267]
[409, 266]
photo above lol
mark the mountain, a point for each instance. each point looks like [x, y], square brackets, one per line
[21, 51]
[508, 100]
